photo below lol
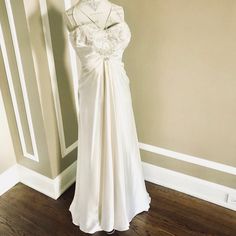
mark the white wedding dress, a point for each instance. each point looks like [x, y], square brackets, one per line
[110, 188]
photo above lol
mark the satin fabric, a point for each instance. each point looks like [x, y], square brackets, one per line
[110, 188]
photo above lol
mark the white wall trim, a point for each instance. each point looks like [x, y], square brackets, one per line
[52, 70]
[53, 188]
[12, 92]
[205, 190]
[8, 179]
[188, 158]
[34, 157]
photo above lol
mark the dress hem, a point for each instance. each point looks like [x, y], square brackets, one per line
[140, 210]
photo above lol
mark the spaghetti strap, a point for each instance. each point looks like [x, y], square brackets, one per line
[95, 22]
[73, 16]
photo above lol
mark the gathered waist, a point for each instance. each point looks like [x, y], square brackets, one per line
[94, 63]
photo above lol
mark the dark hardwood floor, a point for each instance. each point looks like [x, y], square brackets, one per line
[24, 211]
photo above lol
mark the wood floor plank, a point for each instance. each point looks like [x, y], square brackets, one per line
[27, 212]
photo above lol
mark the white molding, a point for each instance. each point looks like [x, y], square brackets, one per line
[11, 87]
[52, 70]
[34, 157]
[188, 158]
[8, 179]
[202, 189]
[64, 180]
[51, 187]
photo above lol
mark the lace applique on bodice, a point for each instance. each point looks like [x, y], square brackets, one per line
[105, 42]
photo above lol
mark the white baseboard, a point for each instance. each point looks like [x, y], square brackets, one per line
[63, 181]
[53, 188]
[8, 179]
[205, 190]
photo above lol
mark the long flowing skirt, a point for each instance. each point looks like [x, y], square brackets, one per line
[110, 188]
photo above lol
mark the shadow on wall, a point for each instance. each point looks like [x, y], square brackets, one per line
[63, 81]
[60, 83]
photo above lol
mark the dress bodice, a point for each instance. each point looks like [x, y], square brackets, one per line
[110, 42]
[100, 49]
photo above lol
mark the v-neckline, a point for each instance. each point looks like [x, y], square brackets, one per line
[101, 28]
